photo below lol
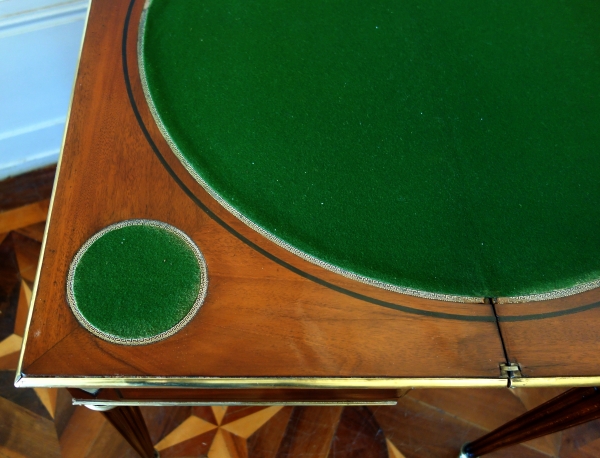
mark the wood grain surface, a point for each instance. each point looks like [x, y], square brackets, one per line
[425, 423]
[575, 406]
[268, 313]
[557, 343]
[27, 188]
[130, 424]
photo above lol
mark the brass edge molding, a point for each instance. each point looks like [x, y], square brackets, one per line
[203, 287]
[540, 382]
[258, 382]
[96, 403]
[248, 222]
[51, 206]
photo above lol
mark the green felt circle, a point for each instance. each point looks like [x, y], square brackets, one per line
[449, 147]
[136, 282]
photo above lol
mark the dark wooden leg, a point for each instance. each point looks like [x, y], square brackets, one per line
[576, 406]
[129, 422]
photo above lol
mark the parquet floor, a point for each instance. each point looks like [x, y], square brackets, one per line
[425, 423]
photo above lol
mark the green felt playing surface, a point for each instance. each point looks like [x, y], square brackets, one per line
[136, 282]
[449, 147]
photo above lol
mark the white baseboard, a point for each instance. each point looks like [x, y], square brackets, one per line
[51, 14]
[39, 48]
[29, 163]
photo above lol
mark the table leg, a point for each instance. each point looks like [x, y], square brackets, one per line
[576, 406]
[129, 422]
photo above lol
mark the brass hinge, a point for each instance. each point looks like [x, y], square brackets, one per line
[510, 370]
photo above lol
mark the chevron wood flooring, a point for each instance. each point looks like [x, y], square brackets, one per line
[425, 423]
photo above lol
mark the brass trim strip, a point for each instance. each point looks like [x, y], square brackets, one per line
[94, 403]
[540, 382]
[51, 206]
[23, 381]
[256, 382]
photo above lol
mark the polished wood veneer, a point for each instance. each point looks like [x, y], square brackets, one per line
[42, 422]
[274, 328]
[268, 313]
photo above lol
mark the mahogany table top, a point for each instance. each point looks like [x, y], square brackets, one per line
[270, 319]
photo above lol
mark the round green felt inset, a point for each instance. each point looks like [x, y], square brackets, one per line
[448, 147]
[137, 282]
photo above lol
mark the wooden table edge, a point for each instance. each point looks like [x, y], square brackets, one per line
[22, 381]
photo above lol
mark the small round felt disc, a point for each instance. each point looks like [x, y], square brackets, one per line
[137, 282]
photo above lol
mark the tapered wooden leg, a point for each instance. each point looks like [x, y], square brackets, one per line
[129, 422]
[576, 406]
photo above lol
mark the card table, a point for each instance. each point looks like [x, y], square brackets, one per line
[355, 302]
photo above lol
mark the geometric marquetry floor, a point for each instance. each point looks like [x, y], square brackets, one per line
[425, 423]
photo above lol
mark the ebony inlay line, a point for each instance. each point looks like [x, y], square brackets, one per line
[541, 316]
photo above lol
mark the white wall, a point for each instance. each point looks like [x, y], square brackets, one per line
[39, 49]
